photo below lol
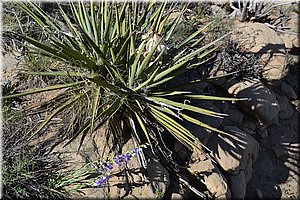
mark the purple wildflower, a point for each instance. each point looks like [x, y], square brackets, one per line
[126, 157]
[118, 160]
[107, 167]
[96, 167]
[100, 181]
[136, 151]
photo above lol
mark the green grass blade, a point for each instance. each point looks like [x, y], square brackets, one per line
[45, 16]
[86, 20]
[81, 16]
[175, 124]
[105, 84]
[44, 47]
[32, 14]
[55, 112]
[153, 65]
[75, 13]
[110, 111]
[123, 48]
[169, 70]
[182, 61]
[94, 108]
[202, 111]
[93, 22]
[168, 111]
[74, 55]
[68, 21]
[194, 53]
[143, 127]
[117, 24]
[199, 123]
[194, 82]
[57, 73]
[187, 40]
[144, 22]
[147, 59]
[168, 93]
[198, 41]
[84, 128]
[136, 61]
[55, 87]
[159, 19]
[213, 98]
[172, 127]
[149, 80]
[96, 48]
[161, 82]
[169, 31]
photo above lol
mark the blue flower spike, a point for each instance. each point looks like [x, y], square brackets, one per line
[136, 151]
[126, 157]
[118, 160]
[100, 181]
[107, 167]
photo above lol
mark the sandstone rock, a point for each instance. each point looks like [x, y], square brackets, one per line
[158, 176]
[248, 125]
[178, 146]
[262, 102]
[217, 10]
[234, 118]
[293, 122]
[248, 171]
[10, 71]
[198, 131]
[280, 134]
[220, 2]
[177, 196]
[216, 184]
[286, 108]
[274, 121]
[140, 186]
[280, 137]
[237, 184]
[287, 90]
[9, 61]
[295, 41]
[212, 178]
[278, 151]
[90, 149]
[259, 194]
[287, 39]
[233, 151]
[222, 105]
[263, 132]
[260, 39]
[293, 24]
[92, 193]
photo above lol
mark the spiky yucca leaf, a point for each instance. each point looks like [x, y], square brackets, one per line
[119, 54]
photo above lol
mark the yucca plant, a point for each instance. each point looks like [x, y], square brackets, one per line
[119, 68]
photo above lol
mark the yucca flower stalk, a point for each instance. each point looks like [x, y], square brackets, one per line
[120, 66]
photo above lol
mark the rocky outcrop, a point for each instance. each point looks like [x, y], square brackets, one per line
[261, 102]
[234, 150]
[260, 39]
[210, 175]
